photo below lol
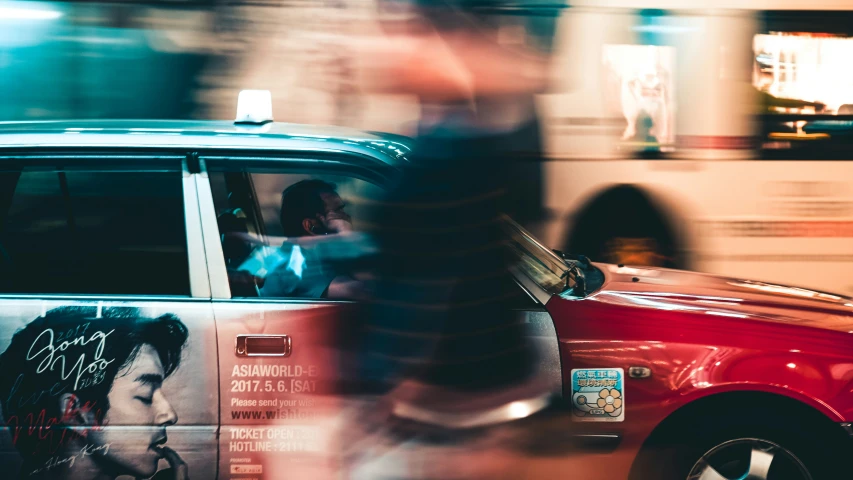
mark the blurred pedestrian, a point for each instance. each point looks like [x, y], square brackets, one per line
[443, 349]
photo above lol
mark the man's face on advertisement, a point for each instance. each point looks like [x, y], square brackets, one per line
[135, 424]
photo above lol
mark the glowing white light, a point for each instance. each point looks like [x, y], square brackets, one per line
[801, 292]
[297, 261]
[254, 106]
[821, 66]
[792, 365]
[8, 13]
[661, 29]
[519, 410]
[725, 314]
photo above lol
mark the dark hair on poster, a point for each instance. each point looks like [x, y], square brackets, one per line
[60, 369]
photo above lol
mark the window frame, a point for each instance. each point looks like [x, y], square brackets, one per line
[110, 160]
[297, 162]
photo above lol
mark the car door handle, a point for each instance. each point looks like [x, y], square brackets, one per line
[263, 346]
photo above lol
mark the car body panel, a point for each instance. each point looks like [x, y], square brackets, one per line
[702, 335]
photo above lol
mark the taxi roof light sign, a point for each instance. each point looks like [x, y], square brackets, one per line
[254, 107]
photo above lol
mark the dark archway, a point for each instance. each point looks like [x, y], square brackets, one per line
[624, 225]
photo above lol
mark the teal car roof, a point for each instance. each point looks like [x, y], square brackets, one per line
[219, 135]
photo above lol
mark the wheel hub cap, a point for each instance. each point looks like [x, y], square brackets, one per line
[749, 459]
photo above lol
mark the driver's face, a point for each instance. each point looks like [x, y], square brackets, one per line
[335, 219]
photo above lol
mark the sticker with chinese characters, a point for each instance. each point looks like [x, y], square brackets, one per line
[598, 394]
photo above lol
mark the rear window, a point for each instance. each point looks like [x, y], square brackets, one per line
[66, 230]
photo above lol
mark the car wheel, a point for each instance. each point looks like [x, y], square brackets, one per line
[749, 458]
[740, 450]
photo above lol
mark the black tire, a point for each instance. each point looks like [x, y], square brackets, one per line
[672, 455]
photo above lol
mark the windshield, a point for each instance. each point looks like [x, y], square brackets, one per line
[539, 263]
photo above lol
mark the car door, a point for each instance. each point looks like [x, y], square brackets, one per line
[106, 328]
[285, 362]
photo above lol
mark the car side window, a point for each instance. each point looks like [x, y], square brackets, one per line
[277, 254]
[287, 234]
[89, 230]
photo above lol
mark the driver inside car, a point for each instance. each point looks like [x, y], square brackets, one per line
[314, 258]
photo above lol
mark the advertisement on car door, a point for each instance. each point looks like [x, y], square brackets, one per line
[281, 372]
[107, 390]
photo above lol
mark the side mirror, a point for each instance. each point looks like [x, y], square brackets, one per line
[567, 256]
